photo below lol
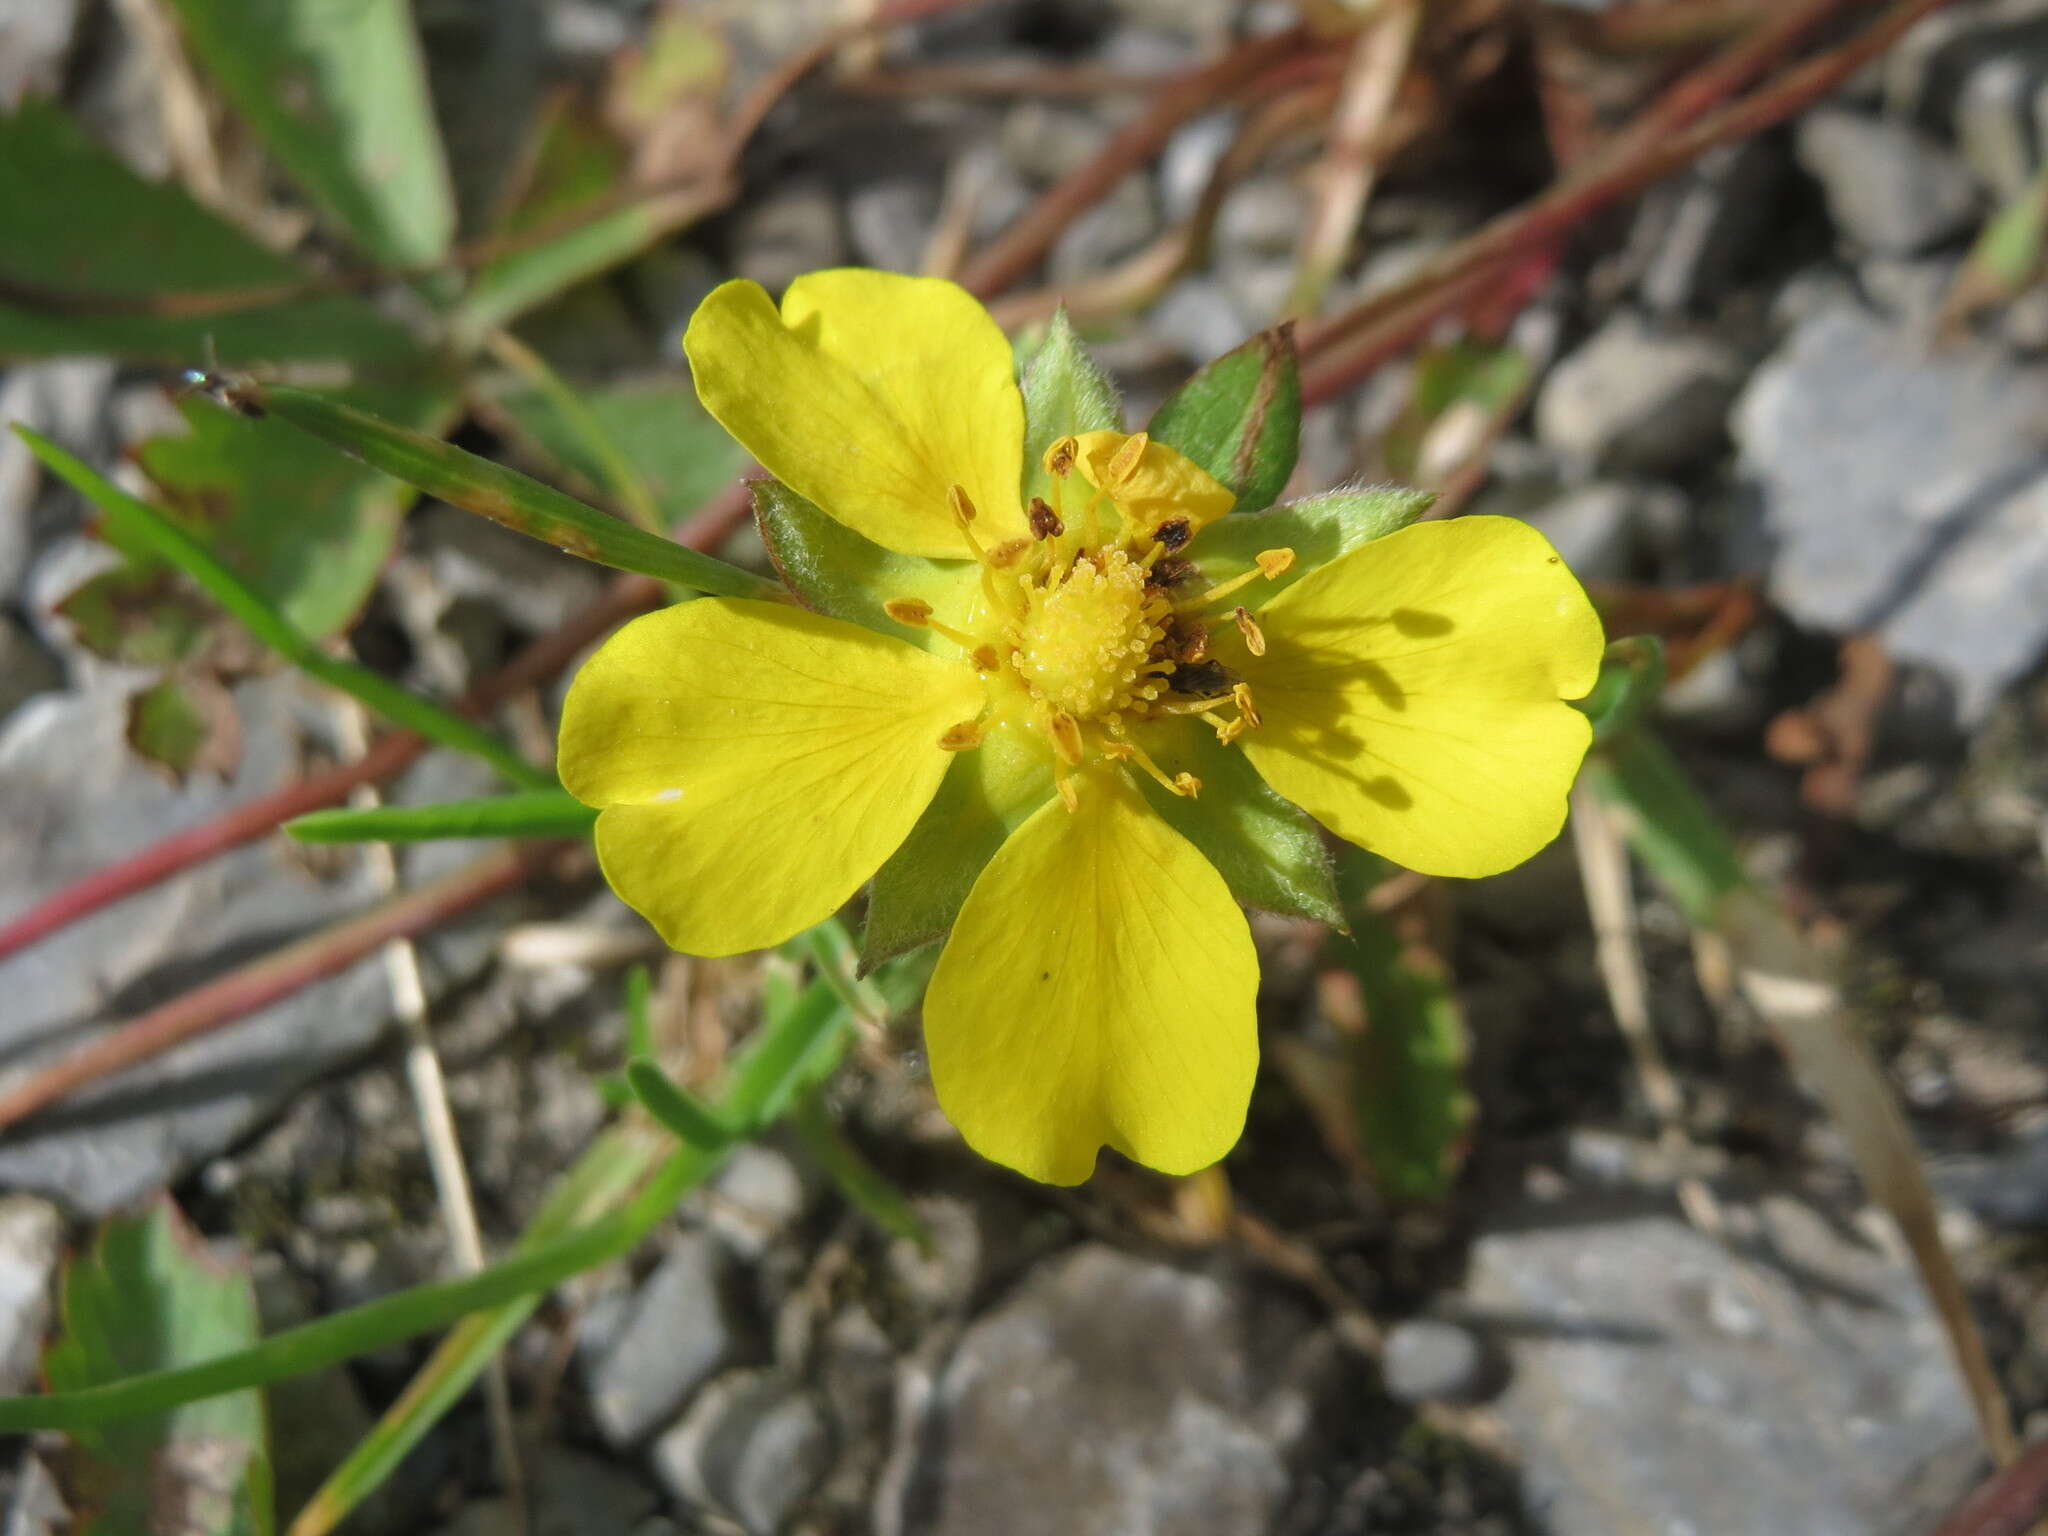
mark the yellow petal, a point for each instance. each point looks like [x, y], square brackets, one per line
[754, 763]
[1097, 991]
[1162, 485]
[1412, 694]
[872, 395]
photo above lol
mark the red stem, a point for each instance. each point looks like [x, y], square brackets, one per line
[2010, 1504]
[243, 991]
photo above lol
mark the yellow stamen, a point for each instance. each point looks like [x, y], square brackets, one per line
[1008, 553]
[1066, 737]
[1124, 462]
[1059, 458]
[1269, 563]
[1185, 784]
[914, 611]
[1045, 523]
[985, 659]
[1254, 637]
[1241, 696]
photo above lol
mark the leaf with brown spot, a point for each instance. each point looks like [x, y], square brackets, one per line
[1239, 418]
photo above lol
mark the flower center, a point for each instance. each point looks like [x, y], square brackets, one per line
[1085, 644]
[1096, 622]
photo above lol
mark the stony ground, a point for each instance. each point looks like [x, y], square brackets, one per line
[1741, 381]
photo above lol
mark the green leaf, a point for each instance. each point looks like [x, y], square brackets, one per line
[1240, 418]
[543, 813]
[137, 527]
[307, 529]
[504, 495]
[1670, 826]
[1065, 394]
[686, 1116]
[568, 226]
[92, 250]
[1271, 853]
[337, 90]
[682, 455]
[186, 724]
[1318, 529]
[1631, 678]
[141, 614]
[835, 571]
[149, 1297]
[864, 1185]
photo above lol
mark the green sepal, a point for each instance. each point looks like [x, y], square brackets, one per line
[1066, 393]
[1271, 854]
[986, 795]
[1240, 418]
[832, 570]
[1318, 529]
[1631, 678]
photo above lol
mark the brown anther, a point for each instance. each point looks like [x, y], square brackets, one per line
[914, 611]
[1008, 553]
[1045, 523]
[1059, 458]
[1066, 736]
[1169, 571]
[963, 509]
[1174, 532]
[1241, 696]
[985, 659]
[1254, 637]
[1272, 562]
[1124, 462]
[962, 737]
[1187, 784]
[1192, 643]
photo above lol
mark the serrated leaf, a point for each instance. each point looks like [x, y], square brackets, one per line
[306, 528]
[90, 245]
[835, 571]
[337, 91]
[1240, 418]
[681, 454]
[149, 1297]
[541, 813]
[519, 502]
[139, 614]
[186, 725]
[1065, 394]
[1317, 528]
[1270, 853]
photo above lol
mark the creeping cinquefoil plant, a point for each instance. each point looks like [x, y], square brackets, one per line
[1065, 701]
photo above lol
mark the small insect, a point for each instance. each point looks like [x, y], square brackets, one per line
[224, 389]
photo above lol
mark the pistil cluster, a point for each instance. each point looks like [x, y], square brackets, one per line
[1097, 622]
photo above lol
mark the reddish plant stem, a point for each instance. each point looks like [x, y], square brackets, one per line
[1351, 345]
[2010, 1504]
[1013, 252]
[388, 755]
[257, 985]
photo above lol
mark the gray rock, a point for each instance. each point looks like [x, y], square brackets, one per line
[36, 1506]
[2007, 1190]
[1197, 316]
[1661, 1382]
[1046, 140]
[1115, 1396]
[1190, 159]
[77, 799]
[891, 222]
[572, 1494]
[1994, 124]
[65, 401]
[1928, 70]
[792, 230]
[36, 38]
[1114, 228]
[682, 1328]
[31, 1242]
[753, 1448]
[1429, 1360]
[1696, 232]
[1638, 400]
[1900, 490]
[758, 1197]
[1595, 528]
[1889, 187]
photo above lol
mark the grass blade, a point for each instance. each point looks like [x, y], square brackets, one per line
[137, 525]
[539, 813]
[504, 495]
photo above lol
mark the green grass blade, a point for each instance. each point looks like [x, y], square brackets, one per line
[135, 524]
[538, 813]
[505, 496]
[686, 1116]
[865, 1186]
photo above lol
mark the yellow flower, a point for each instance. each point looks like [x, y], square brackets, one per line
[1032, 694]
